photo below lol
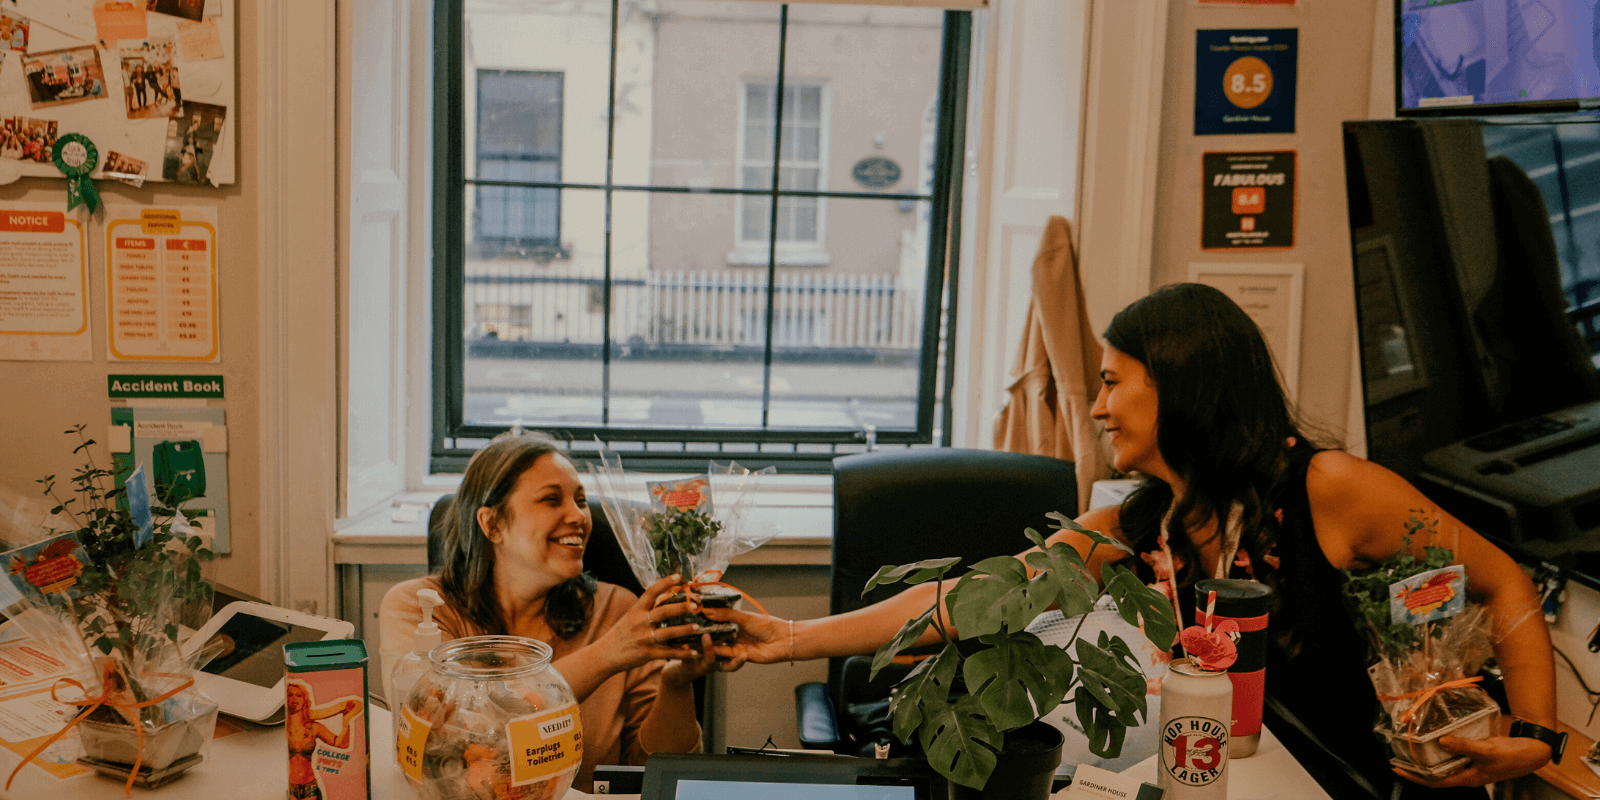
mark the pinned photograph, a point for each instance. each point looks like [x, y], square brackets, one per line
[63, 76]
[187, 9]
[25, 139]
[127, 169]
[13, 32]
[150, 80]
[192, 141]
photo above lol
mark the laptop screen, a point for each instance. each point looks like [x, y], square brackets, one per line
[739, 777]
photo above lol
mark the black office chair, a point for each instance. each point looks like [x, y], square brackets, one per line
[897, 507]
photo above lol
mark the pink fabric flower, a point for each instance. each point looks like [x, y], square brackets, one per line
[1214, 649]
[1160, 563]
[1242, 559]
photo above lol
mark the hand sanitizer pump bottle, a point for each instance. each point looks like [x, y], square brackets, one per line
[414, 665]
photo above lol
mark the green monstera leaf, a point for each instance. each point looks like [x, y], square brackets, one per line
[926, 689]
[1017, 678]
[1141, 605]
[960, 743]
[1105, 733]
[920, 572]
[908, 636]
[1064, 570]
[998, 595]
[1110, 673]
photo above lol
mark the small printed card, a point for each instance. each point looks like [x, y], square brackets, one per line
[46, 572]
[1430, 596]
[139, 506]
[1103, 784]
[692, 494]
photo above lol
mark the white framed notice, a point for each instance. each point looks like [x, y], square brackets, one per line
[1271, 294]
[44, 284]
[161, 284]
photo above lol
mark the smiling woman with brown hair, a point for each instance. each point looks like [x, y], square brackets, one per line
[513, 565]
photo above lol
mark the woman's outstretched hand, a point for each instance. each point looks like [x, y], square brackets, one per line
[762, 639]
[1495, 759]
[635, 640]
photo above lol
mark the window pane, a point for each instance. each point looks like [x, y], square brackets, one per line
[533, 325]
[890, 90]
[706, 115]
[569, 42]
[847, 340]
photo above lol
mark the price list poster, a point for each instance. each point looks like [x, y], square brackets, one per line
[161, 284]
[44, 287]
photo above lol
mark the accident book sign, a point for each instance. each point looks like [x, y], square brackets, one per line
[1248, 200]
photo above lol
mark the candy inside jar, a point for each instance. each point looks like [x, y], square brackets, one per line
[490, 720]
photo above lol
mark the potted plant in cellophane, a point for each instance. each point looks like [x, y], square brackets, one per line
[110, 590]
[980, 699]
[1429, 642]
[691, 527]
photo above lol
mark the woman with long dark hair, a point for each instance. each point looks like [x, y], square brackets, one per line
[1232, 487]
[513, 564]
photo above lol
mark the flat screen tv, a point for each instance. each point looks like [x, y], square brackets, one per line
[1476, 248]
[1496, 56]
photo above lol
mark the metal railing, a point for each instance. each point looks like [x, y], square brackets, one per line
[726, 309]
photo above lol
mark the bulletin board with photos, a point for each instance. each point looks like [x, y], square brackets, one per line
[149, 82]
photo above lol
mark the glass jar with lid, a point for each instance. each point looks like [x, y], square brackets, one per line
[491, 718]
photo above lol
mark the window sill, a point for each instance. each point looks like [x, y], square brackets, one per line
[799, 506]
[749, 257]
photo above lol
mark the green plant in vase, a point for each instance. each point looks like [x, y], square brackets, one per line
[1010, 677]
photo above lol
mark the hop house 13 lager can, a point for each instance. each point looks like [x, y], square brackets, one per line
[1196, 709]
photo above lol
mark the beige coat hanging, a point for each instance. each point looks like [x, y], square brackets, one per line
[1057, 373]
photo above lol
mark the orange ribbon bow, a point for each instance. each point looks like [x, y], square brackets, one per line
[108, 698]
[711, 577]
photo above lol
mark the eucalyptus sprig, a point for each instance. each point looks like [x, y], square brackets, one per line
[124, 580]
[676, 535]
[1367, 590]
[1014, 678]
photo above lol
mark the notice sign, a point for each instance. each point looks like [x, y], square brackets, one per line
[1248, 201]
[161, 284]
[1244, 81]
[44, 285]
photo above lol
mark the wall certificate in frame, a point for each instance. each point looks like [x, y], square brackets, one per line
[1271, 294]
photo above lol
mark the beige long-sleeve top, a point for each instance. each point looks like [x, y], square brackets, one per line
[612, 715]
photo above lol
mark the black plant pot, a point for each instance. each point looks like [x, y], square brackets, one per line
[721, 632]
[1024, 769]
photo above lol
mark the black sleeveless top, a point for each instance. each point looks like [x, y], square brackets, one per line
[1320, 703]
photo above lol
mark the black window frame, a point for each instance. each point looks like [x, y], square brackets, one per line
[453, 441]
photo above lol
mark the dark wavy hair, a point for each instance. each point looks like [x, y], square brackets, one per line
[1222, 421]
[467, 575]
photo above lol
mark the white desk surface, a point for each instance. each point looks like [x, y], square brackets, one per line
[253, 766]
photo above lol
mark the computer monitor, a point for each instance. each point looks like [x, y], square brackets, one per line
[670, 776]
[1495, 56]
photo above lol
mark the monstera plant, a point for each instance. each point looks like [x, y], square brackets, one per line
[961, 702]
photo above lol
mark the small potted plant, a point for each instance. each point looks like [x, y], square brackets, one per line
[982, 696]
[123, 577]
